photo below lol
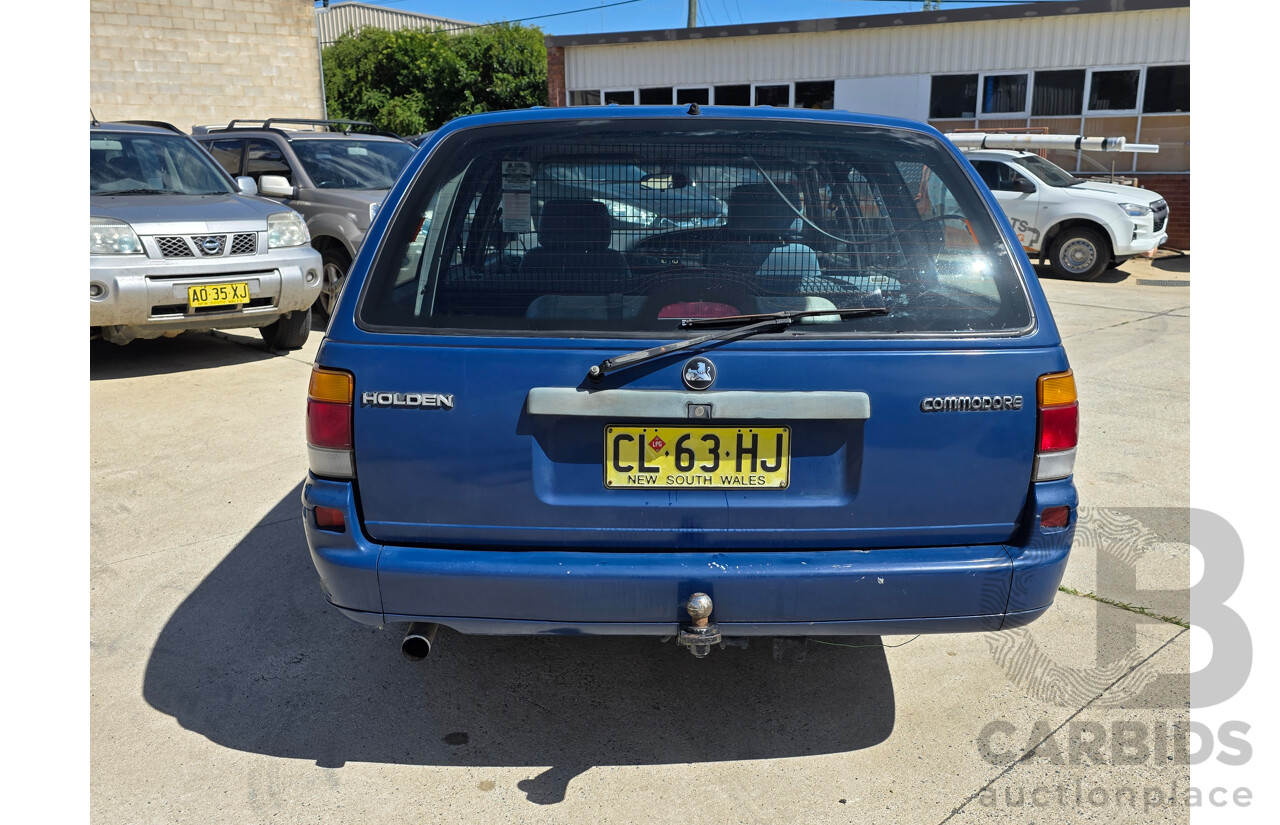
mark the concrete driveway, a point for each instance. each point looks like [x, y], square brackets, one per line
[224, 690]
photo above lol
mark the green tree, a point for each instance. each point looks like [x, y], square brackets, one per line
[413, 81]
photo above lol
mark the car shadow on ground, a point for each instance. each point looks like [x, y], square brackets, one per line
[1111, 275]
[1134, 270]
[161, 356]
[255, 660]
[1180, 262]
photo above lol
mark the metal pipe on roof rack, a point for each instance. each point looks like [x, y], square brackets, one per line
[984, 140]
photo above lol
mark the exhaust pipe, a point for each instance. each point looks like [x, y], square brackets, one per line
[418, 640]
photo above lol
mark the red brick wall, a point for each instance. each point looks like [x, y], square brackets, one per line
[1176, 189]
[555, 76]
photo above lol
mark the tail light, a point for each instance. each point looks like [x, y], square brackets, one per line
[1057, 426]
[329, 436]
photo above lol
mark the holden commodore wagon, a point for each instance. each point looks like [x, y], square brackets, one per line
[842, 409]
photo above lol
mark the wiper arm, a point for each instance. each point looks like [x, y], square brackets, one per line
[784, 315]
[766, 322]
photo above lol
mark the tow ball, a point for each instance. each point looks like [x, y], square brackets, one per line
[701, 633]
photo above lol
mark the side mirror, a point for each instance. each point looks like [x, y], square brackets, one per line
[275, 186]
[1026, 187]
[246, 185]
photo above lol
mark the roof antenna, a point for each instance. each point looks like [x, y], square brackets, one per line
[693, 109]
[93, 119]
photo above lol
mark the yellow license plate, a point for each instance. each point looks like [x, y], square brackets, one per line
[216, 295]
[714, 458]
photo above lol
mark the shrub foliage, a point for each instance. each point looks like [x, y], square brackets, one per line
[413, 81]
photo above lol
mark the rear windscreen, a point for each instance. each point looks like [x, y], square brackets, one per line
[631, 226]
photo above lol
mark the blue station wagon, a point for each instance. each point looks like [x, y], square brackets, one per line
[837, 404]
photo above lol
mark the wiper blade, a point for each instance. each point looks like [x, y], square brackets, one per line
[766, 322]
[153, 192]
[132, 192]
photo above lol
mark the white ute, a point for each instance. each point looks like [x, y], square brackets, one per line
[1080, 227]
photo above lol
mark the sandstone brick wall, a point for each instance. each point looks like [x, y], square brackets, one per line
[203, 61]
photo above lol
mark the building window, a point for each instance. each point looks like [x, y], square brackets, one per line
[657, 96]
[1004, 94]
[816, 94]
[773, 95]
[1058, 93]
[1168, 89]
[953, 95]
[623, 97]
[1113, 91]
[589, 97]
[700, 96]
[736, 95]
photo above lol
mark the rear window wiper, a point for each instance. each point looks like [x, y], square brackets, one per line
[763, 322]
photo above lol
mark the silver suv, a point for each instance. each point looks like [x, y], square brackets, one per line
[176, 245]
[335, 176]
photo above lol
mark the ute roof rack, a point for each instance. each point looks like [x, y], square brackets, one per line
[275, 124]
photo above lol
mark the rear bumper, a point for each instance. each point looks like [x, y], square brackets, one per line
[775, 593]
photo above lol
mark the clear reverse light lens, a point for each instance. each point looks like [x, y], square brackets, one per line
[1135, 210]
[287, 229]
[112, 237]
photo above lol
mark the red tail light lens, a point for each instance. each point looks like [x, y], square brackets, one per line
[328, 425]
[1059, 428]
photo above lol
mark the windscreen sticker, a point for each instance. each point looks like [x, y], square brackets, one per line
[515, 212]
[515, 176]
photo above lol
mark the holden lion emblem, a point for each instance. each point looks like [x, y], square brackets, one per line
[698, 373]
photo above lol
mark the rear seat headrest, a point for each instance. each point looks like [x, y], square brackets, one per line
[756, 208]
[579, 223]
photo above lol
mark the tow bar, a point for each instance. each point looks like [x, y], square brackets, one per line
[701, 633]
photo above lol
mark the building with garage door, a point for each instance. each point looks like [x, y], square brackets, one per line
[1095, 67]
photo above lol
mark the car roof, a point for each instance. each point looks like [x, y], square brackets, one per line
[720, 113]
[304, 135]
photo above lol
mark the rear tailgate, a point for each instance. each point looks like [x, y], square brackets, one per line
[475, 467]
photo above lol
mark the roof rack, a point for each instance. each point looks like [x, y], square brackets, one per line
[274, 123]
[159, 124]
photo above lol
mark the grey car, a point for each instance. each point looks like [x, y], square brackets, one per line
[334, 175]
[176, 245]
